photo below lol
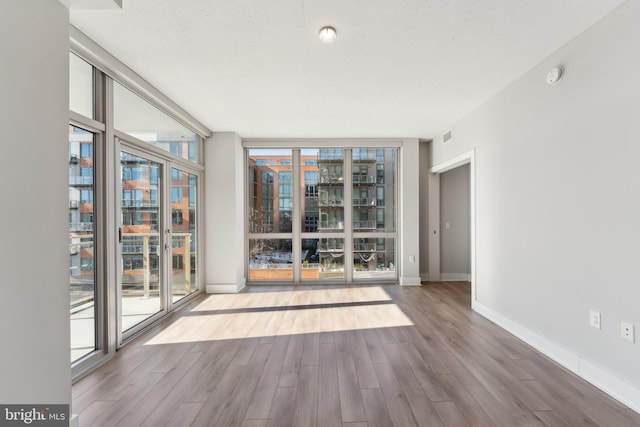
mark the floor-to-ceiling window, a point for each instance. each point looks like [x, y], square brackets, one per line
[135, 175]
[82, 239]
[322, 176]
[321, 214]
[271, 216]
[374, 212]
[159, 175]
[85, 137]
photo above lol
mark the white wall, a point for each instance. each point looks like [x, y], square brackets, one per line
[557, 172]
[224, 215]
[34, 114]
[455, 244]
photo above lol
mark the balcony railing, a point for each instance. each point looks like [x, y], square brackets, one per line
[364, 202]
[145, 244]
[77, 242]
[331, 179]
[270, 267]
[138, 248]
[364, 247]
[364, 157]
[331, 225]
[364, 224]
[330, 203]
[139, 203]
[364, 179]
[331, 247]
[324, 156]
[80, 180]
[81, 226]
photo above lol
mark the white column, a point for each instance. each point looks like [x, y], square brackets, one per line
[409, 220]
[35, 366]
[224, 214]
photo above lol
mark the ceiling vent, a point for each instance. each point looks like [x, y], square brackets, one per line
[446, 137]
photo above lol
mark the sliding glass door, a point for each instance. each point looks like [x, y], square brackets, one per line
[184, 191]
[134, 238]
[141, 239]
[157, 235]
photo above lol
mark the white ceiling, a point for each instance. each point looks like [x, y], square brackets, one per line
[400, 68]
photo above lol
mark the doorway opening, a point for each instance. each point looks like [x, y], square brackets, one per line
[452, 221]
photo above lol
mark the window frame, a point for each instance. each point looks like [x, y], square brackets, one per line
[108, 69]
[298, 234]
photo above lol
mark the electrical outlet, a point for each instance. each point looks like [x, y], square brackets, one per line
[627, 332]
[594, 319]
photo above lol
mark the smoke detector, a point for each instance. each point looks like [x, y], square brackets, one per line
[555, 75]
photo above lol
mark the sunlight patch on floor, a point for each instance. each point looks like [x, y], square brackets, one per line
[283, 321]
[292, 298]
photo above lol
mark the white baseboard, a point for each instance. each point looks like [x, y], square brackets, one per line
[225, 288]
[455, 277]
[410, 281]
[448, 277]
[614, 386]
[74, 421]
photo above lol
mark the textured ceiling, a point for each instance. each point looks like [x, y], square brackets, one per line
[404, 68]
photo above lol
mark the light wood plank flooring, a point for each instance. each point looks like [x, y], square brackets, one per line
[323, 356]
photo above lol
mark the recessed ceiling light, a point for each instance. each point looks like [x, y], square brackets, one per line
[327, 34]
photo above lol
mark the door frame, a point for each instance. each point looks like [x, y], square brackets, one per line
[130, 144]
[434, 214]
[163, 238]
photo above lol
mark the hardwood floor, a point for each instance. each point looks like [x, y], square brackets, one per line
[322, 356]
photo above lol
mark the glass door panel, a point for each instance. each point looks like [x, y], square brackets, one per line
[184, 189]
[82, 275]
[141, 290]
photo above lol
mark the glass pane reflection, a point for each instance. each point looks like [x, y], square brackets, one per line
[183, 234]
[140, 218]
[270, 191]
